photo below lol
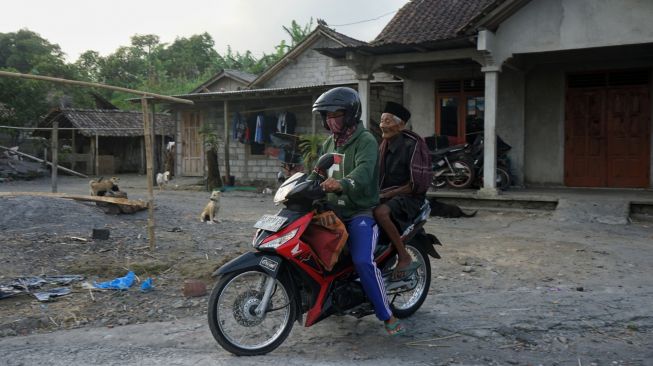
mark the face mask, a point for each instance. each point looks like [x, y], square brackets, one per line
[336, 125]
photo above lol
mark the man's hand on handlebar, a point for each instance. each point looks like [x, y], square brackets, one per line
[331, 185]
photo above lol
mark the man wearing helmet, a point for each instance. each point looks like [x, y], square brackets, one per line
[353, 190]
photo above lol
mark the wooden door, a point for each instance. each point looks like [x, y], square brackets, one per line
[585, 138]
[628, 137]
[191, 143]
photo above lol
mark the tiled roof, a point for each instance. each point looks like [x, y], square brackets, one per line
[344, 39]
[421, 21]
[108, 122]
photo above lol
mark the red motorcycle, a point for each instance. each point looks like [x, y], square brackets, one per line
[260, 294]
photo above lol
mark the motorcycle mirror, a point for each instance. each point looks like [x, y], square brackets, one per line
[323, 164]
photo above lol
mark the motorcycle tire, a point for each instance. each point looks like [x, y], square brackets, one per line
[464, 174]
[421, 290]
[503, 181]
[227, 310]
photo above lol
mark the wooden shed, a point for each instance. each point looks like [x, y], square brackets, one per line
[98, 141]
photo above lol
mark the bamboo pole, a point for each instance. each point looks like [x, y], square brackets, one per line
[97, 154]
[55, 154]
[147, 132]
[74, 152]
[44, 161]
[94, 85]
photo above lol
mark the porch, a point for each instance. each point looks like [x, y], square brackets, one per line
[602, 205]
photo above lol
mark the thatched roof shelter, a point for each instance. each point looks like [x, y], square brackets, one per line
[104, 122]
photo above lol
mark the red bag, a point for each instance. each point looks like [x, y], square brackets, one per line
[327, 236]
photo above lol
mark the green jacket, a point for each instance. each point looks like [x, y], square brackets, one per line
[360, 176]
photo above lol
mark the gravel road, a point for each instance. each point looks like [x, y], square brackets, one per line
[513, 288]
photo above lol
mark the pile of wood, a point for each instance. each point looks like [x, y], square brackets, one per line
[14, 169]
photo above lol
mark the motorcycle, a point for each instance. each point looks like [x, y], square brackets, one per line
[502, 177]
[452, 166]
[260, 294]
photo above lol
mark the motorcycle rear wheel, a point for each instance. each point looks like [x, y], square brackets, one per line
[407, 303]
[464, 174]
[232, 319]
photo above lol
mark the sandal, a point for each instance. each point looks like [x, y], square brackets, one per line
[395, 328]
[403, 273]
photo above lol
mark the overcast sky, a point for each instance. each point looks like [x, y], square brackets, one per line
[255, 25]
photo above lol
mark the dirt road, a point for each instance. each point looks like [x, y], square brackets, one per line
[513, 288]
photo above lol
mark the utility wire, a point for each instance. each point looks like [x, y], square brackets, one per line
[366, 20]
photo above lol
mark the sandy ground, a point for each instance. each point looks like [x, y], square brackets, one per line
[513, 288]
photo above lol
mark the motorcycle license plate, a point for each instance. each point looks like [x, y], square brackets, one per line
[270, 222]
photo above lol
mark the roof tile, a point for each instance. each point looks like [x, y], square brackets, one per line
[422, 21]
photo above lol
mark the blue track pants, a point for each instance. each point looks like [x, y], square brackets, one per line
[363, 235]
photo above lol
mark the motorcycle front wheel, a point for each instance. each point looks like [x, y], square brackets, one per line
[234, 322]
[405, 303]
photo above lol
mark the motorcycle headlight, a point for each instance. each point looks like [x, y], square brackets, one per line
[274, 244]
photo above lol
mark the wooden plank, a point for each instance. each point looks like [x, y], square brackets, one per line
[78, 197]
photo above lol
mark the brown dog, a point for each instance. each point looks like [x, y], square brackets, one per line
[210, 212]
[100, 186]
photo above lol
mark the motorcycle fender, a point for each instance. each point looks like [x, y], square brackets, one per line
[270, 264]
[428, 242]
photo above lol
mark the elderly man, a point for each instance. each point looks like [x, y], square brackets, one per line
[404, 177]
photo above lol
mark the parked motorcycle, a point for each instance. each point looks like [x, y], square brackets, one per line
[502, 177]
[453, 166]
[260, 294]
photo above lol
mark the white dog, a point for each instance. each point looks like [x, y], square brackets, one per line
[210, 212]
[162, 179]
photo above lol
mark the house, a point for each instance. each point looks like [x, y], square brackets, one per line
[284, 93]
[225, 80]
[102, 141]
[567, 83]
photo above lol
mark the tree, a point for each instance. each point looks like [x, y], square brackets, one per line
[297, 33]
[189, 58]
[211, 142]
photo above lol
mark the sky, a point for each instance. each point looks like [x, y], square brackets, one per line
[256, 25]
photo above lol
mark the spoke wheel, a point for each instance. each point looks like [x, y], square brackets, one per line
[463, 174]
[405, 303]
[233, 319]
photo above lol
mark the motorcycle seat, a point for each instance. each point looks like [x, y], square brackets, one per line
[447, 150]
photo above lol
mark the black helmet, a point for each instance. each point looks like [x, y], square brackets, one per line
[339, 99]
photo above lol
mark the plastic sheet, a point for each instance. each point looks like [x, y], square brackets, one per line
[120, 283]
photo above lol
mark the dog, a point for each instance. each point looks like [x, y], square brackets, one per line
[446, 210]
[162, 179]
[98, 187]
[210, 212]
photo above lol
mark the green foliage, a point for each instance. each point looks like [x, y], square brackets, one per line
[146, 64]
[310, 146]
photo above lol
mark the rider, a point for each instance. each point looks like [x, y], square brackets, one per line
[405, 175]
[352, 188]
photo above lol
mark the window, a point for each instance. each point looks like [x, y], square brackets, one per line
[460, 109]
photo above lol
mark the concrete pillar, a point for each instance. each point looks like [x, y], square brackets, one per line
[364, 93]
[489, 136]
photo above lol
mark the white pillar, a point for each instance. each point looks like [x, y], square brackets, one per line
[364, 93]
[489, 136]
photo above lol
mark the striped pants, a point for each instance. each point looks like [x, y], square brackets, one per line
[363, 235]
